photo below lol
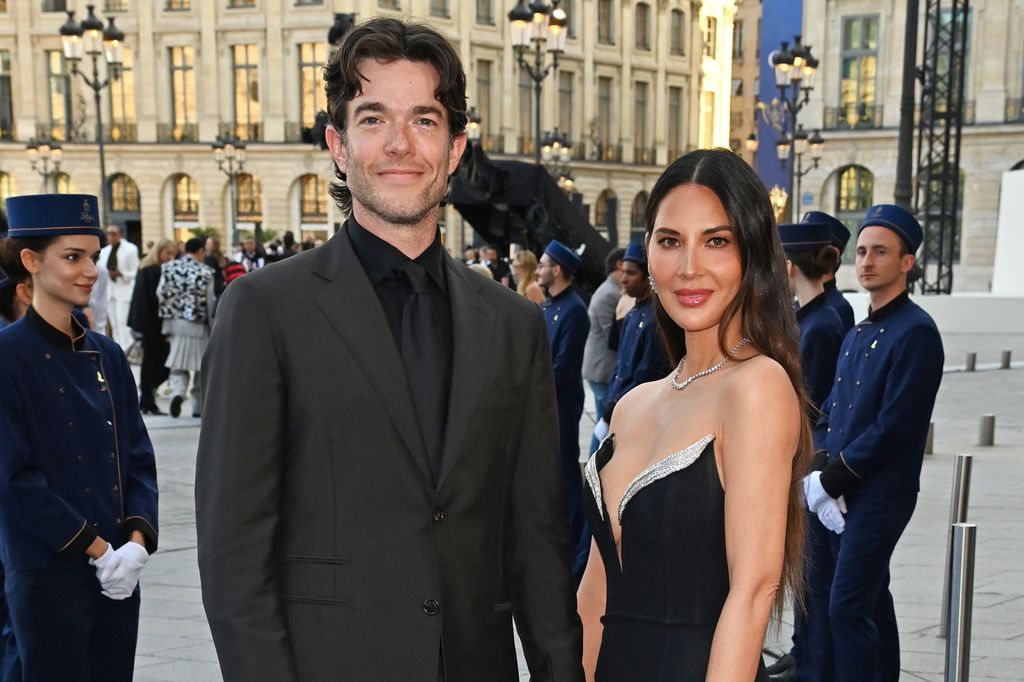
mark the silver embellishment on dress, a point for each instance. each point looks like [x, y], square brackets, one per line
[594, 479]
[671, 464]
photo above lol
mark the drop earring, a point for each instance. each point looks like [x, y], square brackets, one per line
[650, 279]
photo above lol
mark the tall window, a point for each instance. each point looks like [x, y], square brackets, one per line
[183, 93]
[122, 102]
[60, 96]
[186, 199]
[525, 112]
[388, 4]
[246, 68]
[640, 134]
[675, 122]
[6, 97]
[6, 187]
[249, 199]
[314, 199]
[567, 7]
[858, 64]
[55, 6]
[638, 217]
[642, 26]
[64, 184]
[566, 80]
[115, 5]
[605, 112]
[737, 40]
[124, 194]
[946, 18]
[484, 69]
[711, 38]
[605, 200]
[241, 3]
[678, 35]
[605, 29]
[854, 195]
[178, 5]
[485, 12]
[439, 8]
[3, 5]
[311, 89]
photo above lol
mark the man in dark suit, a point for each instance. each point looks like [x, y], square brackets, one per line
[365, 509]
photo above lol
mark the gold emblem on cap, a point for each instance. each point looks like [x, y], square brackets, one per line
[86, 215]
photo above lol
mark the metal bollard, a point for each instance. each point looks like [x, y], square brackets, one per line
[1005, 362]
[958, 502]
[987, 430]
[958, 644]
[929, 443]
[972, 361]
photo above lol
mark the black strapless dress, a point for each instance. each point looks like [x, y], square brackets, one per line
[665, 598]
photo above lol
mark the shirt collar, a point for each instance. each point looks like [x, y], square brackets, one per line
[380, 259]
[815, 303]
[889, 308]
[54, 335]
[831, 284]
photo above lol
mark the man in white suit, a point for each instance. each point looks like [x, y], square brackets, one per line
[120, 258]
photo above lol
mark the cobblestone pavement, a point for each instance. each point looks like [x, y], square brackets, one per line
[175, 644]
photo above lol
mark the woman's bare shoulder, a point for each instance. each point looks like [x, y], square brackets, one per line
[759, 383]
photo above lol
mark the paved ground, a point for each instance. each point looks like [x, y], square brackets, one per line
[175, 645]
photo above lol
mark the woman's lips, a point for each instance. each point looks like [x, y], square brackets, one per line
[692, 298]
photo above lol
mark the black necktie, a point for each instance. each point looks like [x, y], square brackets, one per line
[425, 363]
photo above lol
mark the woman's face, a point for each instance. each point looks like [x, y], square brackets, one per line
[168, 253]
[694, 258]
[65, 272]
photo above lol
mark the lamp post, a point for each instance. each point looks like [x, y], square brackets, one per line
[556, 155]
[229, 153]
[794, 68]
[540, 24]
[40, 156]
[91, 38]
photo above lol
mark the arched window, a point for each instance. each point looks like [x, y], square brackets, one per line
[6, 188]
[186, 199]
[678, 35]
[64, 184]
[602, 206]
[855, 190]
[250, 199]
[314, 199]
[642, 26]
[124, 194]
[637, 216]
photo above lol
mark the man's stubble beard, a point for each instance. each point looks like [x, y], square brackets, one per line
[363, 193]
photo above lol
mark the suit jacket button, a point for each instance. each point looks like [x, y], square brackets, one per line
[438, 516]
[431, 607]
[115, 488]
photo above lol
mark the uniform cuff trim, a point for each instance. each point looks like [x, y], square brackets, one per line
[133, 523]
[77, 545]
[838, 477]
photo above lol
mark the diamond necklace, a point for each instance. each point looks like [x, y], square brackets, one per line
[710, 370]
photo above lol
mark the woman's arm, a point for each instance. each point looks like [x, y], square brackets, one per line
[590, 603]
[760, 433]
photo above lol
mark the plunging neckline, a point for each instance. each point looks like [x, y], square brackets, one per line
[676, 461]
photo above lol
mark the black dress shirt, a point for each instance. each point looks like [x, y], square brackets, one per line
[381, 261]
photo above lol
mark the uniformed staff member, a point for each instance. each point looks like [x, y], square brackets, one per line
[78, 495]
[839, 236]
[568, 326]
[871, 440]
[641, 353]
[810, 259]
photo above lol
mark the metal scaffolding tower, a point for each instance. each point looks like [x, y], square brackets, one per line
[938, 139]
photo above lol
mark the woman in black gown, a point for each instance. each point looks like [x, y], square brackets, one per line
[694, 498]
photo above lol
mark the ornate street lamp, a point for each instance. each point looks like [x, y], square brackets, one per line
[40, 156]
[473, 131]
[229, 153]
[545, 26]
[556, 155]
[90, 38]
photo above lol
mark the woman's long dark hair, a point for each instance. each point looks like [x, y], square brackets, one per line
[763, 305]
[10, 261]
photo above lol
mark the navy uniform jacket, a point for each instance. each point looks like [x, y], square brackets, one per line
[568, 326]
[641, 356]
[838, 301]
[821, 335]
[875, 421]
[75, 457]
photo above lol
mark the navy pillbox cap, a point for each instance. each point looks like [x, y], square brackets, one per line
[805, 236]
[897, 219]
[838, 232]
[635, 254]
[563, 255]
[52, 215]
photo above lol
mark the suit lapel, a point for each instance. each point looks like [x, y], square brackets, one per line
[472, 333]
[350, 304]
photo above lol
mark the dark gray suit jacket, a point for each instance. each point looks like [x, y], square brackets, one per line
[325, 550]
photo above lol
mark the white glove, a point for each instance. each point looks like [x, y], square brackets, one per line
[814, 493]
[831, 515]
[118, 570]
[601, 430]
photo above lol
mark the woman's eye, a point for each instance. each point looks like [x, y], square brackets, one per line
[668, 242]
[72, 258]
[718, 242]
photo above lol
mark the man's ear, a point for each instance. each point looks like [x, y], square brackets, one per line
[455, 154]
[336, 143]
[907, 262]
